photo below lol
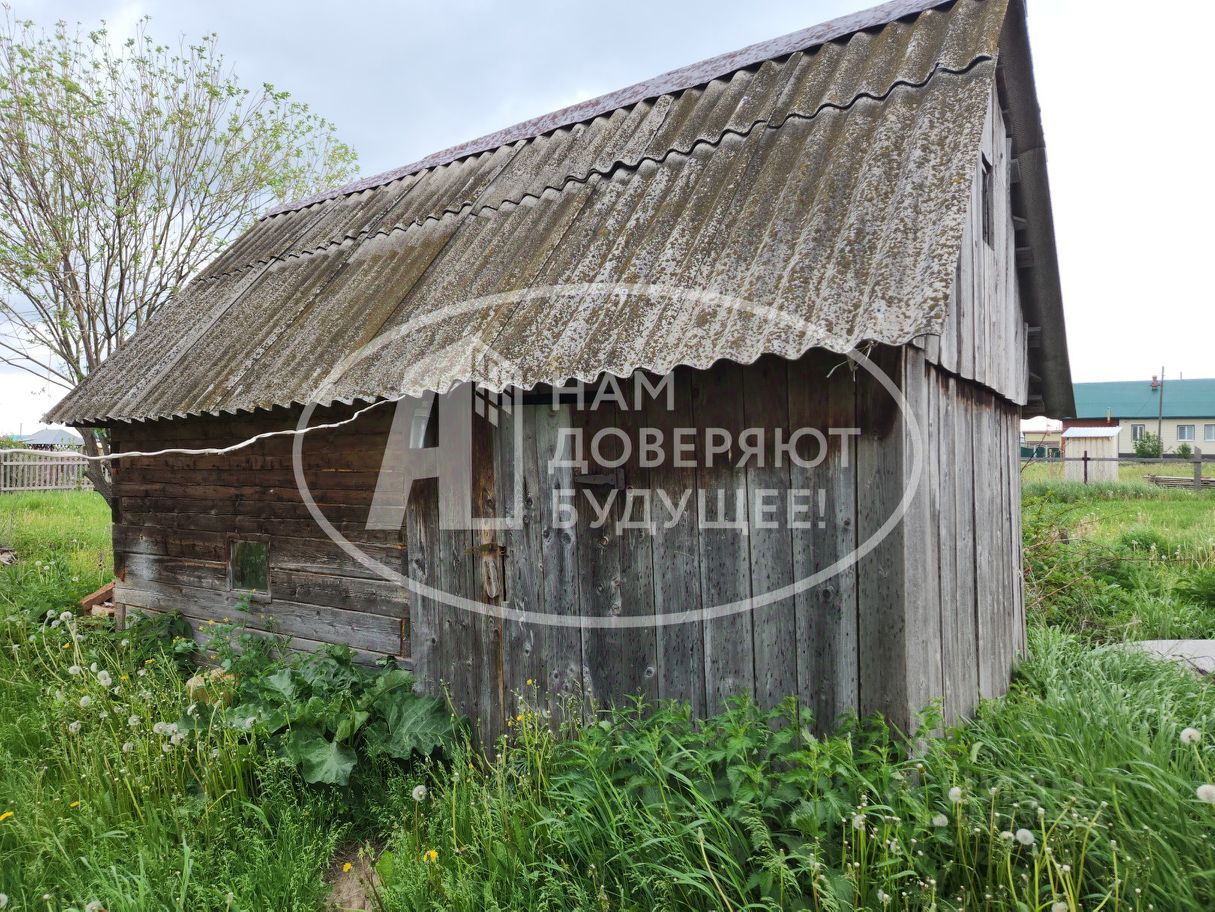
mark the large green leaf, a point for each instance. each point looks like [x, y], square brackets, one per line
[411, 723]
[319, 760]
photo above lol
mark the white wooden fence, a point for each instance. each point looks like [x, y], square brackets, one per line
[53, 470]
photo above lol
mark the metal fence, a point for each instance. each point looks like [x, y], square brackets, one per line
[54, 470]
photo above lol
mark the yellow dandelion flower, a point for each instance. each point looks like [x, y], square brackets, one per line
[5, 816]
[430, 856]
[124, 677]
[210, 623]
[67, 646]
[149, 661]
[74, 804]
[519, 718]
[346, 868]
[530, 682]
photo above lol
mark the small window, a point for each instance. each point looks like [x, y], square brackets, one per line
[249, 566]
[1185, 432]
[1208, 433]
[988, 201]
[1137, 432]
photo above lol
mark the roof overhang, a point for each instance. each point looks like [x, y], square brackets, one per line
[1050, 390]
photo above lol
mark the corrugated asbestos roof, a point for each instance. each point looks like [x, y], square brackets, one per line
[1137, 399]
[826, 188]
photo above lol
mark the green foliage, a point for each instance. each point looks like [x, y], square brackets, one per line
[1118, 562]
[749, 810]
[321, 710]
[1184, 450]
[1149, 446]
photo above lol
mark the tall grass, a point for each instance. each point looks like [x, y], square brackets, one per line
[1074, 792]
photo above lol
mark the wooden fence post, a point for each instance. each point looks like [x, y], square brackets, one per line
[1197, 457]
[1086, 466]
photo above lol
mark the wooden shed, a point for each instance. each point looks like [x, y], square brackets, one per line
[1091, 453]
[847, 229]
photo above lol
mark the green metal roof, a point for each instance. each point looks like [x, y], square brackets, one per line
[1137, 399]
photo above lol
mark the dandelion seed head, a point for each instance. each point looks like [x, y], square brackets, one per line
[1206, 793]
[419, 793]
[74, 670]
[858, 821]
[65, 616]
[104, 679]
[955, 795]
[940, 820]
[73, 727]
[1024, 836]
[1190, 736]
[127, 747]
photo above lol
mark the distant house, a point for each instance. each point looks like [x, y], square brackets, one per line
[1185, 416]
[52, 439]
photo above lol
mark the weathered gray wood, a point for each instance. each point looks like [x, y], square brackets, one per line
[724, 559]
[523, 641]
[881, 596]
[774, 625]
[965, 552]
[598, 555]
[558, 559]
[422, 566]
[822, 395]
[921, 541]
[954, 659]
[635, 666]
[316, 622]
[488, 589]
[676, 556]
[991, 647]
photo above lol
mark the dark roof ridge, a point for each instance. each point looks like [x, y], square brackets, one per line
[676, 80]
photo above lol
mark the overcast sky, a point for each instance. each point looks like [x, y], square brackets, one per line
[1126, 118]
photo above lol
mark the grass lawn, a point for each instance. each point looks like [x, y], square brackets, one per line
[127, 788]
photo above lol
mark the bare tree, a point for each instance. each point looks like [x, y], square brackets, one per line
[123, 169]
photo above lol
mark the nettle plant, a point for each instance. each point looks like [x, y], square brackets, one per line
[321, 710]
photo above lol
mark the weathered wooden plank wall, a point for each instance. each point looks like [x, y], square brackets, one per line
[931, 613]
[175, 516]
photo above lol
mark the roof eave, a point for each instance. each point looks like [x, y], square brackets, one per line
[1041, 289]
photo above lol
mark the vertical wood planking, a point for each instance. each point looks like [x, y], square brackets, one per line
[488, 585]
[773, 625]
[724, 559]
[676, 555]
[422, 561]
[558, 560]
[822, 395]
[921, 540]
[634, 663]
[966, 571]
[523, 652]
[881, 597]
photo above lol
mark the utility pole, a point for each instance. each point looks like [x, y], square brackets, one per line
[1160, 415]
